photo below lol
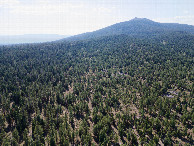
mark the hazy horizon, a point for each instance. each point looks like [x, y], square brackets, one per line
[71, 17]
[68, 35]
[29, 38]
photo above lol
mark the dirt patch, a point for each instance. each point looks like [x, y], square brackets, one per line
[69, 91]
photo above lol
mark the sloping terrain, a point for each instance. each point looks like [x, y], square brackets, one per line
[108, 90]
[137, 27]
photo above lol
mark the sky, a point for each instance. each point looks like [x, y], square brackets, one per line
[71, 17]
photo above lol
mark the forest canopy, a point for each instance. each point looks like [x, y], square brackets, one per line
[108, 90]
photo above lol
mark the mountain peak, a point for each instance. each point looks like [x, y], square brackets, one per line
[136, 18]
[136, 27]
[140, 19]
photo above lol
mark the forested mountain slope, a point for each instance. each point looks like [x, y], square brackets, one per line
[109, 90]
[137, 27]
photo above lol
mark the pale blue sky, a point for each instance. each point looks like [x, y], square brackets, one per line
[69, 17]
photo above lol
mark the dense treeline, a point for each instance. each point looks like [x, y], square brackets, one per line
[110, 90]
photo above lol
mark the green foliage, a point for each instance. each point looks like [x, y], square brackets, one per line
[16, 136]
[108, 90]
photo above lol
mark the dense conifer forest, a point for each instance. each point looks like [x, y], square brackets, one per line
[117, 89]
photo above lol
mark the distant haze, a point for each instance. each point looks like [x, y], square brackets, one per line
[29, 38]
[71, 17]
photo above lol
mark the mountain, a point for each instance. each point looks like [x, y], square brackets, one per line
[137, 27]
[127, 84]
[29, 38]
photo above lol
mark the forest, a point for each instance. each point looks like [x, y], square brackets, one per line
[110, 90]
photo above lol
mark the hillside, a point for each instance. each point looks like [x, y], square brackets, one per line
[115, 89]
[137, 27]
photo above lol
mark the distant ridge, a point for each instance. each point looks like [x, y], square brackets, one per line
[29, 38]
[137, 27]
